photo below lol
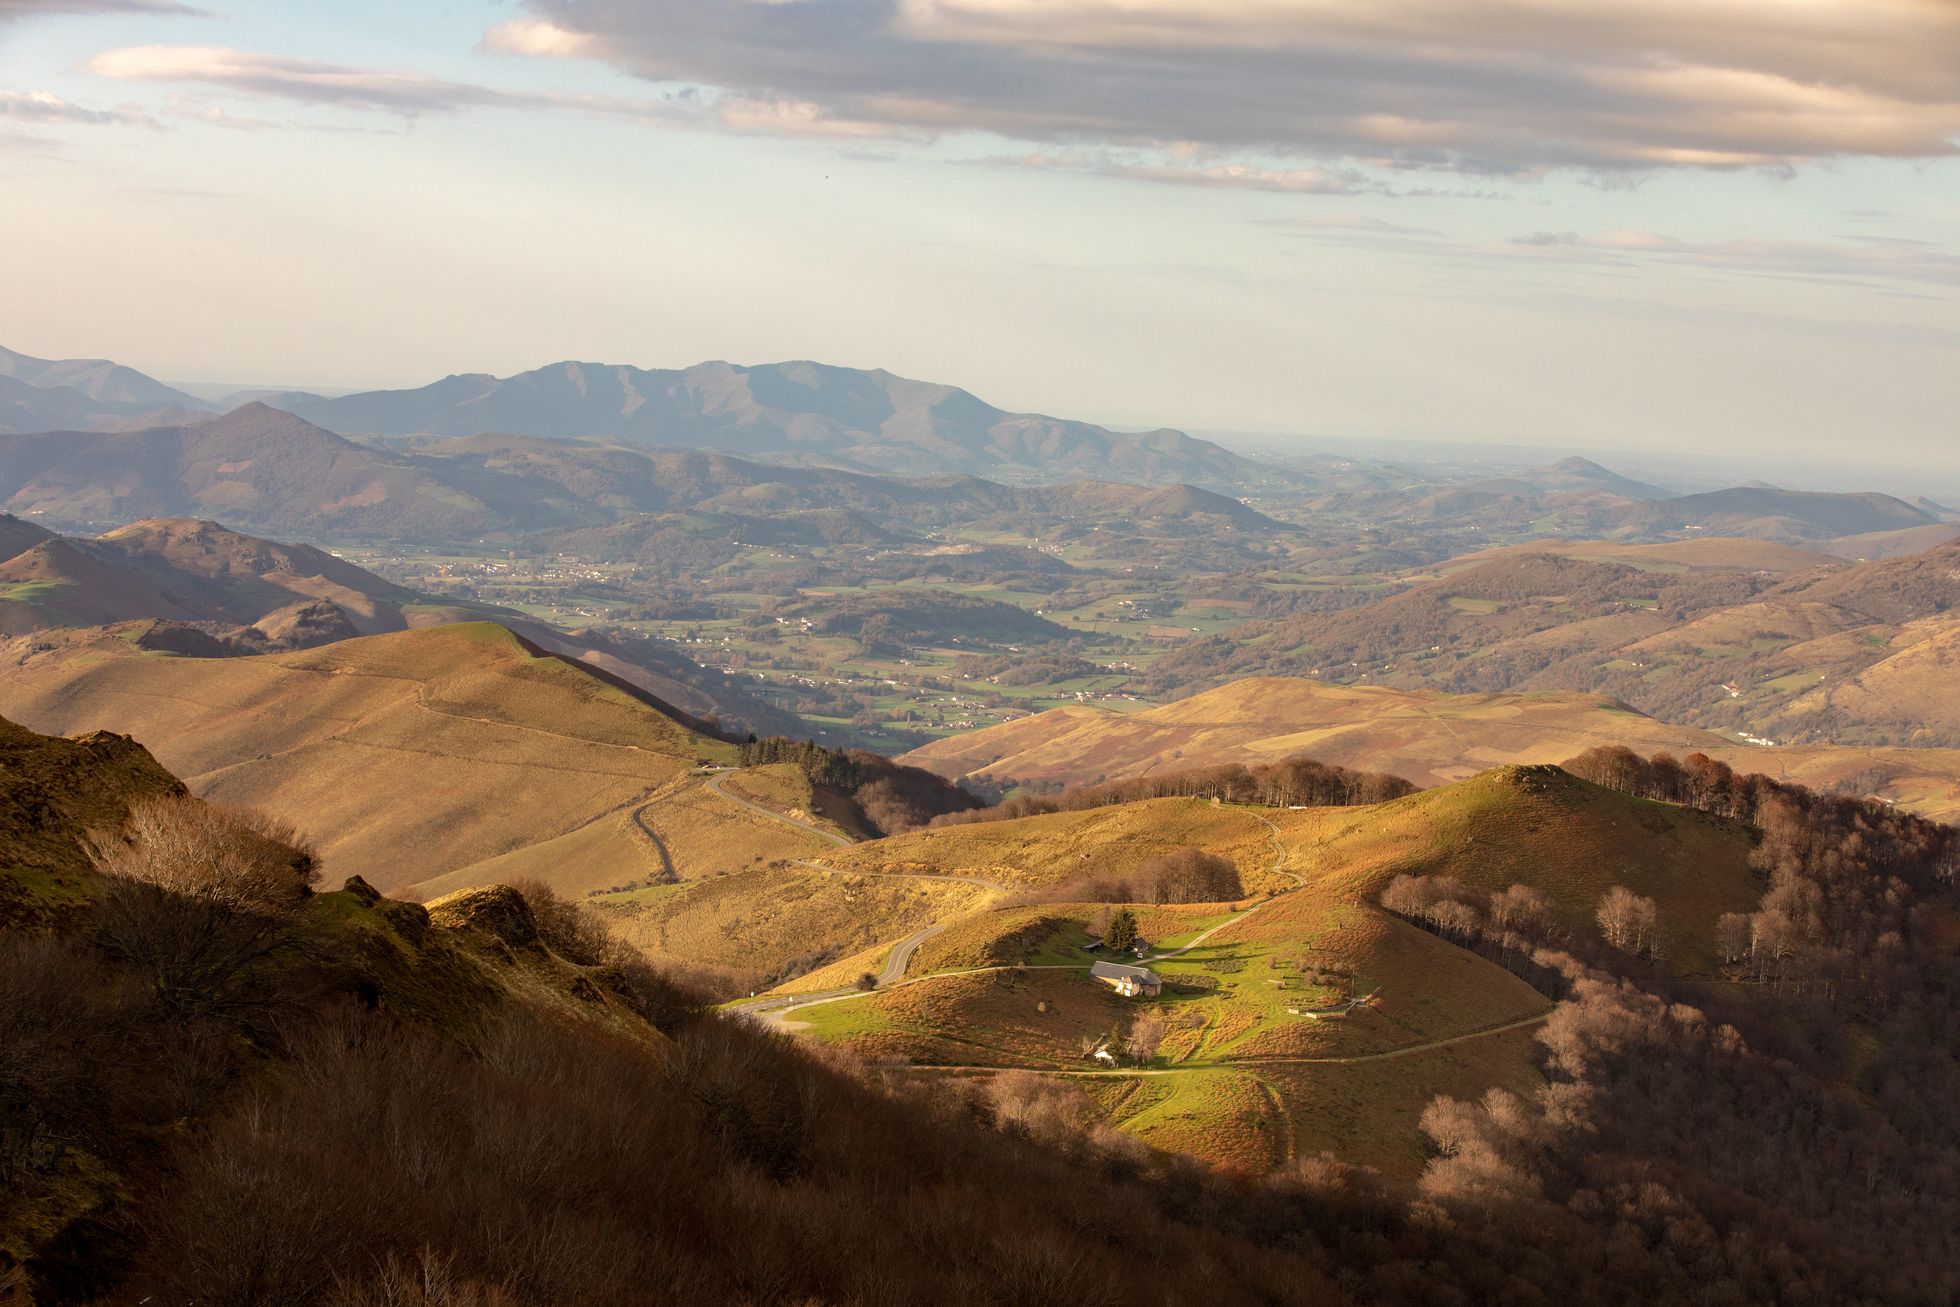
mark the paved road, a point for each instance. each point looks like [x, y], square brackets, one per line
[714, 784]
[659, 845]
[776, 1011]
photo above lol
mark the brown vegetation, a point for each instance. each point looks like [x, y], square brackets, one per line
[1183, 876]
[1296, 782]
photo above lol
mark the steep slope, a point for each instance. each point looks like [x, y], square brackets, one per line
[805, 411]
[52, 792]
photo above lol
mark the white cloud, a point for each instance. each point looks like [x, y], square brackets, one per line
[538, 39]
[47, 108]
[1475, 85]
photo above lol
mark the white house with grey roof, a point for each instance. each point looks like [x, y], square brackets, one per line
[1130, 982]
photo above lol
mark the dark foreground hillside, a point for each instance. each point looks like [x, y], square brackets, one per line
[219, 1085]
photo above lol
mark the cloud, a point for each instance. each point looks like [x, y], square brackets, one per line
[1217, 176]
[407, 94]
[1868, 259]
[11, 10]
[44, 107]
[1484, 86]
[304, 80]
[539, 39]
[413, 95]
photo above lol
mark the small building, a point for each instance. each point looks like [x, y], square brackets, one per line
[1130, 982]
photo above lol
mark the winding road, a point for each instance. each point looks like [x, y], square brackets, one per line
[714, 784]
[776, 1011]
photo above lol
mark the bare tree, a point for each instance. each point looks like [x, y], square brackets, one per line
[1523, 909]
[228, 858]
[1734, 932]
[1629, 921]
[1146, 1035]
[197, 896]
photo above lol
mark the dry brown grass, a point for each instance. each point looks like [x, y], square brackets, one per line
[404, 756]
[1434, 738]
[1045, 850]
[759, 921]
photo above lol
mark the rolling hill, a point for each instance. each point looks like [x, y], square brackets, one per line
[1423, 735]
[1264, 1058]
[804, 412]
[253, 466]
[204, 589]
[413, 755]
[264, 469]
[1765, 512]
[1719, 634]
[184, 570]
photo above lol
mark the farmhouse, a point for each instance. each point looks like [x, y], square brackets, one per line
[1130, 982]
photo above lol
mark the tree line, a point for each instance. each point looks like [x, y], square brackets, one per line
[1299, 781]
[889, 797]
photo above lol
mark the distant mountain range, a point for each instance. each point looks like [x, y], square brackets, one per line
[795, 412]
[268, 470]
[44, 394]
[583, 444]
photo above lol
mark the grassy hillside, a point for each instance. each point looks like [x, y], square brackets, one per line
[1429, 737]
[1265, 1055]
[1424, 736]
[202, 997]
[53, 791]
[1718, 634]
[407, 755]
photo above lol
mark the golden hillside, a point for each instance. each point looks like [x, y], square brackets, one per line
[1260, 1028]
[1426, 736]
[414, 755]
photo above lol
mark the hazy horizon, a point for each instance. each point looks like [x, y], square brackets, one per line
[1641, 226]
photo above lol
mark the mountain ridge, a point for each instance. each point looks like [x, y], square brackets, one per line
[863, 419]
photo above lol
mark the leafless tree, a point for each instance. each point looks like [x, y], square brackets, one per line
[1629, 921]
[1145, 1036]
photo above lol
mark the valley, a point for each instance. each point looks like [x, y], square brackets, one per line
[1266, 825]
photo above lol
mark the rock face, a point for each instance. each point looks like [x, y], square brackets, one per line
[497, 911]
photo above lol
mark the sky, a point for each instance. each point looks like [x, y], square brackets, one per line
[1678, 225]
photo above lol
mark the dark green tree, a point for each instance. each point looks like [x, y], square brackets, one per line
[1122, 932]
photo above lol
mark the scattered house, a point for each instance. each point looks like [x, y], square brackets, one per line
[1103, 1055]
[1130, 982]
[1092, 946]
